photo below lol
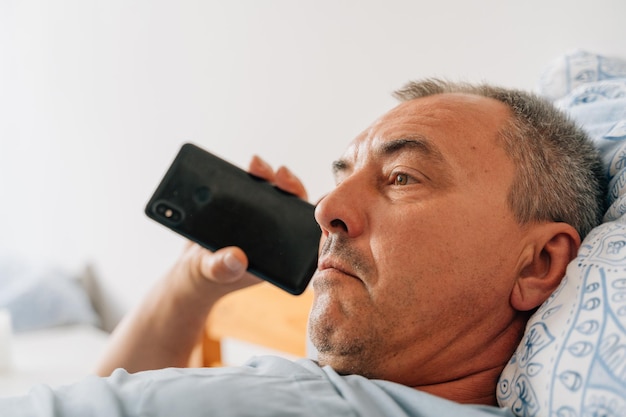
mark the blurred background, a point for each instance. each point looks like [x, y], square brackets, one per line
[97, 96]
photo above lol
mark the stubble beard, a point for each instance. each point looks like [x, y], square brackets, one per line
[346, 350]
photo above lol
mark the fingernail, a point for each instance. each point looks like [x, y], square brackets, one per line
[233, 263]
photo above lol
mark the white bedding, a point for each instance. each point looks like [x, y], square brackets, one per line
[48, 325]
[54, 356]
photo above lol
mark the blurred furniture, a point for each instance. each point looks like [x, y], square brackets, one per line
[262, 315]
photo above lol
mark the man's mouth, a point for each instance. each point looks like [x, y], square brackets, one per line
[329, 263]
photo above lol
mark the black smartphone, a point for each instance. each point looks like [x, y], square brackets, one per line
[217, 204]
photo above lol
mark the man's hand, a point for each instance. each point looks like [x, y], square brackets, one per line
[164, 328]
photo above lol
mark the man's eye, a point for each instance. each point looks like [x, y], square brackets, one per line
[401, 179]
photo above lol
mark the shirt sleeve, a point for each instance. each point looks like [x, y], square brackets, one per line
[268, 387]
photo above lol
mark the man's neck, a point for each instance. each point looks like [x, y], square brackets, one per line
[478, 388]
[477, 379]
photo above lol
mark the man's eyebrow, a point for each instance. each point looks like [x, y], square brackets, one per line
[340, 165]
[395, 146]
[418, 143]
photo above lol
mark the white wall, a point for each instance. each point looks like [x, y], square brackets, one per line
[97, 96]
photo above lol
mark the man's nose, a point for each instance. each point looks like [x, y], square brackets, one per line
[342, 210]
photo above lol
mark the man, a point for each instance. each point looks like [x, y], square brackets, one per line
[453, 218]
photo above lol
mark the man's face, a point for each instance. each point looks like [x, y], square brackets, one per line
[420, 249]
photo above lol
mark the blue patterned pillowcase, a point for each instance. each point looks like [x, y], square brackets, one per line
[571, 361]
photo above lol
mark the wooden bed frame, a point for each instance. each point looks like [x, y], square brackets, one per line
[263, 315]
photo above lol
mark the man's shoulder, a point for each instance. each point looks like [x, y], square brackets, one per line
[367, 397]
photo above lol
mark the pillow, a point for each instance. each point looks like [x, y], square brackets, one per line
[39, 295]
[577, 68]
[571, 361]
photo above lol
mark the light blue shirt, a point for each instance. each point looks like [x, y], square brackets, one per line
[265, 386]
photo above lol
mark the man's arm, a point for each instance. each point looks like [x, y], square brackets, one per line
[164, 328]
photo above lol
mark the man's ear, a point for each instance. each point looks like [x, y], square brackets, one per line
[550, 250]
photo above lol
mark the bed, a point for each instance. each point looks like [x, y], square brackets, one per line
[50, 326]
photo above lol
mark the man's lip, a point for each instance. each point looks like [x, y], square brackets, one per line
[330, 263]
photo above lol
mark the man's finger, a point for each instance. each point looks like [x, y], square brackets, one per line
[261, 169]
[224, 266]
[286, 180]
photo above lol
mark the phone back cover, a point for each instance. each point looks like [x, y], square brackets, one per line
[221, 205]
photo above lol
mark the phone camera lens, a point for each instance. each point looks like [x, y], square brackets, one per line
[168, 212]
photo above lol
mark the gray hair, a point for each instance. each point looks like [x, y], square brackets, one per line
[559, 172]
